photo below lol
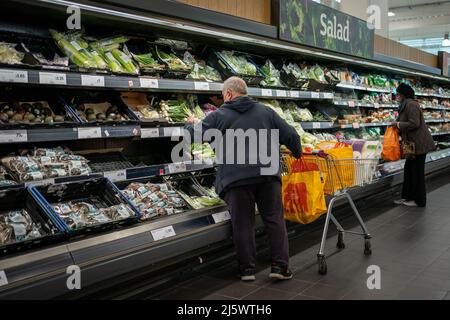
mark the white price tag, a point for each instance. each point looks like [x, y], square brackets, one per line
[37, 183]
[328, 95]
[3, 278]
[315, 95]
[149, 133]
[52, 78]
[351, 104]
[376, 105]
[13, 136]
[281, 93]
[316, 125]
[13, 76]
[149, 83]
[221, 216]
[294, 94]
[355, 125]
[92, 81]
[176, 167]
[114, 176]
[173, 131]
[201, 86]
[266, 92]
[89, 133]
[163, 233]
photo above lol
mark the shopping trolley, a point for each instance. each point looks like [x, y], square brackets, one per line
[340, 176]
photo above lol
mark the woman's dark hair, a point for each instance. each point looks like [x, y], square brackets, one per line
[406, 90]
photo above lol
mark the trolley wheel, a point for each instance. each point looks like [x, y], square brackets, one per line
[322, 265]
[367, 247]
[340, 243]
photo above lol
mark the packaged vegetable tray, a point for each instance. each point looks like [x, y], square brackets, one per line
[87, 206]
[35, 109]
[271, 73]
[147, 111]
[153, 197]
[144, 55]
[292, 75]
[100, 108]
[176, 68]
[24, 222]
[233, 63]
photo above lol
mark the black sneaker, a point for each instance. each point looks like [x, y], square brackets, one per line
[280, 273]
[248, 275]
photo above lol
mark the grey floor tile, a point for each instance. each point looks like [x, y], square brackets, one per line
[292, 285]
[237, 290]
[217, 297]
[366, 294]
[303, 297]
[327, 292]
[417, 293]
[270, 294]
[184, 294]
[206, 283]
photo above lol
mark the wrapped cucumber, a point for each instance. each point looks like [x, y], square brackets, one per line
[75, 55]
[113, 64]
[125, 61]
[101, 64]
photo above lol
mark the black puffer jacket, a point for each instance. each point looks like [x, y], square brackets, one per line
[245, 113]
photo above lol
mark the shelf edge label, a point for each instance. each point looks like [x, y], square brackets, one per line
[163, 233]
[52, 78]
[17, 76]
[176, 167]
[201, 86]
[118, 175]
[221, 216]
[89, 133]
[92, 81]
[9, 136]
[149, 83]
[315, 95]
[294, 94]
[149, 133]
[281, 93]
[266, 92]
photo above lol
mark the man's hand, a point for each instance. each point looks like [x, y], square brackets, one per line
[395, 125]
[192, 120]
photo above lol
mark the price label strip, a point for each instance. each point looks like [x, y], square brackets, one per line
[37, 183]
[316, 125]
[92, 81]
[294, 94]
[266, 92]
[355, 125]
[13, 76]
[163, 233]
[221, 216]
[201, 86]
[177, 167]
[281, 93]
[9, 136]
[149, 133]
[119, 175]
[173, 131]
[351, 104]
[89, 133]
[52, 78]
[149, 83]
[315, 95]
[328, 95]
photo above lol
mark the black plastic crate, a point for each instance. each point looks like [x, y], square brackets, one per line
[23, 198]
[122, 185]
[216, 61]
[137, 46]
[78, 98]
[98, 192]
[289, 79]
[36, 102]
[111, 161]
[170, 73]
[259, 63]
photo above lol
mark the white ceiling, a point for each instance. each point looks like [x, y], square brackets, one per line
[418, 19]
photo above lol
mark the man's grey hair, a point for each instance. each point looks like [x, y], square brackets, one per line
[235, 84]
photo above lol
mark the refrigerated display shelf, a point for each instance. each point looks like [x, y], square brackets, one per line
[43, 272]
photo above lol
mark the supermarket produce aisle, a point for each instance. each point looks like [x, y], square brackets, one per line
[410, 245]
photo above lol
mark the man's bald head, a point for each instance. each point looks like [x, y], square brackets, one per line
[234, 87]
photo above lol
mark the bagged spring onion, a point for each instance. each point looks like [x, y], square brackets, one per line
[113, 64]
[76, 56]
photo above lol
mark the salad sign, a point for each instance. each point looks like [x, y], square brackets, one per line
[317, 25]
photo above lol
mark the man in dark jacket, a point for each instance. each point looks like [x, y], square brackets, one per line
[412, 128]
[253, 180]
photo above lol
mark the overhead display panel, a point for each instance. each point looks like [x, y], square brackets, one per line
[309, 23]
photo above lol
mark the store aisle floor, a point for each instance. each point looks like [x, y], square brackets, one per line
[411, 246]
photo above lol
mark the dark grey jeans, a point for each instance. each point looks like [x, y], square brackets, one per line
[241, 203]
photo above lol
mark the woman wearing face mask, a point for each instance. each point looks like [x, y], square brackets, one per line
[412, 128]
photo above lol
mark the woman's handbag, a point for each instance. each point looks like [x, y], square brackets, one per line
[408, 149]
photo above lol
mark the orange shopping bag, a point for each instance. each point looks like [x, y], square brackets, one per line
[303, 197]
[391, 145]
